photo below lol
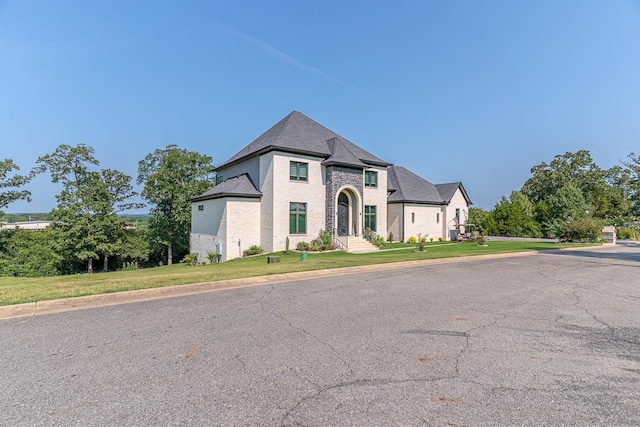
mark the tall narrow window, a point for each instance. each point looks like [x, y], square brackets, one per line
[297, 218]
[458, 214]
[370, 178]
[298, 171]
[437, 217]
[413, 217]
[370, 217]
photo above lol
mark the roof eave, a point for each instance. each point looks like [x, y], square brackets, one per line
[292, 151]
[221, 195]
[418, 202]
[269, 149]
[344, 164]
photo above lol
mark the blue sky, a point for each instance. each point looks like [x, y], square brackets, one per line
[469, 91]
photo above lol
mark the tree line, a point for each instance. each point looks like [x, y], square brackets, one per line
[86, 227]
[570, 198]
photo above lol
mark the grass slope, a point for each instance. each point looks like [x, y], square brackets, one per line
[16, 290]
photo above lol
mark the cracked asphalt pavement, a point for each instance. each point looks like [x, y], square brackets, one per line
[547, 339]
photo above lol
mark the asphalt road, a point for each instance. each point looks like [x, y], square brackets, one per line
[546, 339]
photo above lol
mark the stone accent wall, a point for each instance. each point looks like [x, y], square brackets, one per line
[609, 234]
[339, 176]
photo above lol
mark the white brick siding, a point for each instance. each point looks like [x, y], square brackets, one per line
[425, 221]
[311, 192]
[457, 202]
[377, 196]
[233, 222]
[394, 221]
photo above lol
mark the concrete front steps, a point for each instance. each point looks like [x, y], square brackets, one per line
[357, 245]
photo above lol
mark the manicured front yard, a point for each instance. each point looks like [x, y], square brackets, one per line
[15, 290]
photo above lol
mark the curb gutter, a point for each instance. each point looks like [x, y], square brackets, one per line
[101, 300]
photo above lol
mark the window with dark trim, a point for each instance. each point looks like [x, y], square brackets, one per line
[200, 207]
[298, 171]
[413, 217]
[297, 218]
[219, 179]
[370, 178]
[458, 214]
[437, 217]
[370, 218]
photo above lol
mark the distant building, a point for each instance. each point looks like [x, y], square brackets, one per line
[26, 225]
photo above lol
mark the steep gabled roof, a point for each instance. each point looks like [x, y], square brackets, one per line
[297, 133]
[341, 155]
[408, 187]
[238, 186]
[449, 189]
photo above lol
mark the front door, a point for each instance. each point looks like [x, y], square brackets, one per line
[343, 215]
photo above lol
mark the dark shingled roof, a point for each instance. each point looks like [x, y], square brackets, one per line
[297, 133]
[341, 155]
[238, 186]
[410, 188]
[449, 189]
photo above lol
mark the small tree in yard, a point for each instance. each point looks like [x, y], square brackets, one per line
[171, 177]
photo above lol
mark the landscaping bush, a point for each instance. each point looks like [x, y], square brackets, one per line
[390, 238]
[422, 244]
[316, 245]
[626, 233]
[326, 240]
[190, 259]
[412, 239]
[583, 229]
[253, 250]
[374, 238]
[129, 266]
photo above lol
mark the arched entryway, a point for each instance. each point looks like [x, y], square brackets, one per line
[347, 212]
[343, 214]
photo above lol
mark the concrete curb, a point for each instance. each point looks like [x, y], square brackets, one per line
[92, 301]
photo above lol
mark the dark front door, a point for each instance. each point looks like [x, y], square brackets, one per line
[343, 215]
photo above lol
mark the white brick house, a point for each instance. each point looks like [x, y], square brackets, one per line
[299, 178]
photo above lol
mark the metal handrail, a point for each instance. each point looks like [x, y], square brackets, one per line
[337, 243]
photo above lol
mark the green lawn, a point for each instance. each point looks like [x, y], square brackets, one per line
[16, 290]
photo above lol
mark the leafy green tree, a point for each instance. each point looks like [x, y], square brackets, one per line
[86, 223]
[512, 217]
[28, 253]
[135, 247]
[477, 217]
[171, 177]
[566, 204]
[620, 190]
[576, 169]
[632, 165]
[117, 190]
[7, 166]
